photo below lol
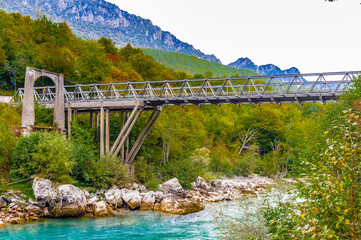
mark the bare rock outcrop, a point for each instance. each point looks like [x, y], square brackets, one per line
[3, 201]
[69, 202]
[177, 205]
[132, 198]
[172, 187]
[148, 201]
[114, 196]
[101, 209]
[43, 191]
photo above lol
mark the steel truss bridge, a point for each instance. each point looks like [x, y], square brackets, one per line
[132, 98]
[315, 87]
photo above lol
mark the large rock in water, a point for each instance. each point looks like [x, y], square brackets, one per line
[70, 202]
[64, 201]
[101, 209]
[173, 187]
[132, 198]
[43, 191]
[177, 205]
[148, 201]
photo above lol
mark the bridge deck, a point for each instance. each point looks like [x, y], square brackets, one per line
[320, 87]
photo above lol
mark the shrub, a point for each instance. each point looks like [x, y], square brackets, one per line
[22, 155]
[106, 172]
[7, 142]
[332, 196]
[147, 173]
[84, 150]
[221, 166]
[43, 115]
[247, 162]
[201, 157]
[52, 158]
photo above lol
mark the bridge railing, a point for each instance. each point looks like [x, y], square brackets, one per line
[280, 85]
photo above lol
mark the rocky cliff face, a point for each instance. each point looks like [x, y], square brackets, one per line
[268, 69]
[97, 18]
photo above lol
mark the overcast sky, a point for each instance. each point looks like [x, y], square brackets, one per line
[312, 35]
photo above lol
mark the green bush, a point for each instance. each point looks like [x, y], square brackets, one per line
[7, 142]
[201, 157]
[247, 162]
[84, 150]
[147, 173]
[43, 116]
[22, 156]
[52, 158]
[221, 166]
[332, 196]
[45, 154]
[106, 172]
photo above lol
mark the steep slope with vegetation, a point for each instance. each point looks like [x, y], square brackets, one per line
[43, 44]
[97, 18]
[194, 65]
[185, 143]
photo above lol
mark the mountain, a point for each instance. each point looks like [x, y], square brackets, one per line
[96, 18]
[194, 65]
[268, 69]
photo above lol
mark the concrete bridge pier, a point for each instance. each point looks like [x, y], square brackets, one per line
[28, 114]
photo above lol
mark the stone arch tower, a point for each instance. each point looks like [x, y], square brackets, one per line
[28, 114]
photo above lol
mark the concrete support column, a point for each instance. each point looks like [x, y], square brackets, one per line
[91, 119]
[75, 114]
[127, 141]
[69, 121]
[101, 130]
[107, 133]
[121, 128]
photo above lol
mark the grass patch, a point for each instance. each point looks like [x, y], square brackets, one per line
[23, 187]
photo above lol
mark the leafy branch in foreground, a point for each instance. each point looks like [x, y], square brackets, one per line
[331, 199]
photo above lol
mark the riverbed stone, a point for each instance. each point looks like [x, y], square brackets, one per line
[92, 200]
[100, 209]
[70, 202]
[148, 201]
[114, 196]
[3, 202]
[177, 205]
[173, 187]
[2, 224]
[43, 191]
[132, 198]
[201, 184]
[33, 209]
[158, 196]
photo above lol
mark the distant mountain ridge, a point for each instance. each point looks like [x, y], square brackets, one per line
[97, 18]
[268, 69]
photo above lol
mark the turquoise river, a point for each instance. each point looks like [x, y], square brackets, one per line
[138, 225]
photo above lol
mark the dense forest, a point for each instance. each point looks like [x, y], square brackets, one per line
[208, 141]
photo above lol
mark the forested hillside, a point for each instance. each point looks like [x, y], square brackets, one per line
[43, 44]
[194, 65]
[187, 142]
[97, 18]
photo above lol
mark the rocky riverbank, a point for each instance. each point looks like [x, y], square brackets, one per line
[69, 201]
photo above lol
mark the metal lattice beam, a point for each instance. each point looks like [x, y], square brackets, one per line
[320, 87]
